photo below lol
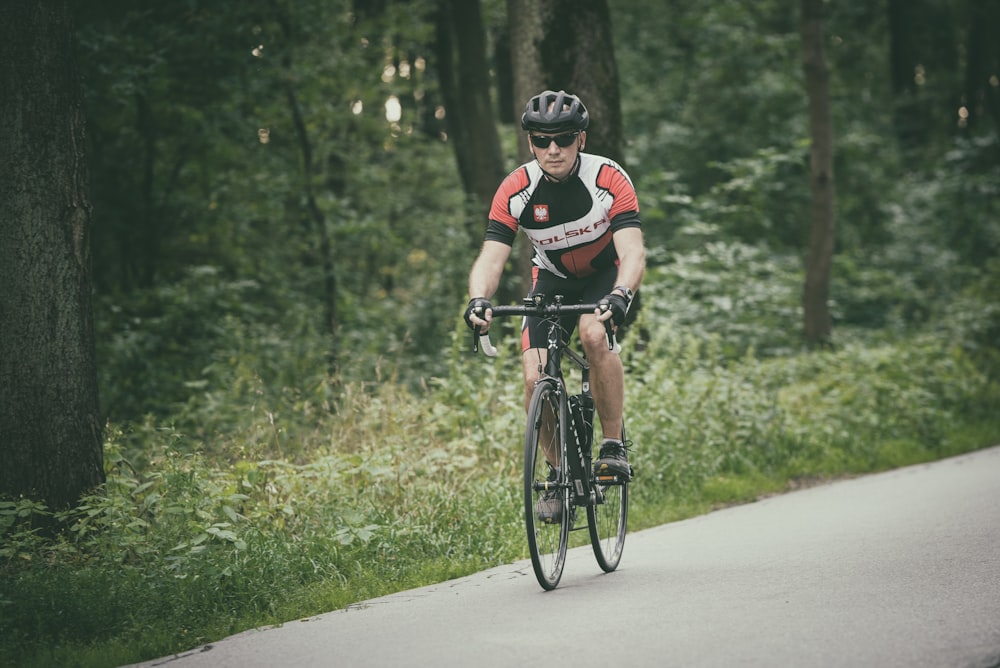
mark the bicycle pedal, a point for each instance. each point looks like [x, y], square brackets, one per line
[613, 478]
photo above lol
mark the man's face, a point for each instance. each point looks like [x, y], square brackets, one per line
[556, 159]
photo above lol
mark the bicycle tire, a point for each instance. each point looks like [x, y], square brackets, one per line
[608, 522]
[547, 540]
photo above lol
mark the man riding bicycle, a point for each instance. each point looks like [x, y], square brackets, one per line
[581, 213]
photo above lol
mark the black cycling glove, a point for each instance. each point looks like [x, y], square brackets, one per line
[617, 304]
[479, 306]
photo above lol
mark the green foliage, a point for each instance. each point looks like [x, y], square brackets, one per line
[724, 431]
[281, 178]
[742, 297]
[712, 83]
[204, 192]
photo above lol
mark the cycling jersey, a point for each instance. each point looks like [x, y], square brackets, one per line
[569, 223]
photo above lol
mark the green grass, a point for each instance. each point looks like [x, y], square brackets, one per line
[303, 505]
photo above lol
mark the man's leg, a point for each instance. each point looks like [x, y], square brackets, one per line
[607, 384]
[533, 360]
[607, 376]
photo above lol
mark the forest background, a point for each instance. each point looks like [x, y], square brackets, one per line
[281, 240]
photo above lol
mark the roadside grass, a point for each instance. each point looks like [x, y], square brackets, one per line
[290, 504]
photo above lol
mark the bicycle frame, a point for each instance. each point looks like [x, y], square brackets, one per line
[606, 502]
[537, 305]
[578, 460]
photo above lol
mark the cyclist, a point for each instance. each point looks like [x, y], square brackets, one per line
[581, 214]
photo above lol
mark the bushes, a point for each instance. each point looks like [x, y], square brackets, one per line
[738, 295]
[710, 430]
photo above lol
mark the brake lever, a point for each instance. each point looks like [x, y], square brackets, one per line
[613, 344]
[483, 339]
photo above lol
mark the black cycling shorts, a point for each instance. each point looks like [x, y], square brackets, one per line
[593, 288]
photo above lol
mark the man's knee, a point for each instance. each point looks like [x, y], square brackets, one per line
[530, 379]
[593, 337]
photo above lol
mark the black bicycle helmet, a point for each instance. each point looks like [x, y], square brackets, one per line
[552, 111]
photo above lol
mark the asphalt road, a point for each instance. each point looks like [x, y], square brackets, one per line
[895, 569]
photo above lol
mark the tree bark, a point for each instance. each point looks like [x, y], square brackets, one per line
[508, 112]
[50, 429]
[318, 220]
[471, 123]
[314, 214]
[815, 296]
[527, 32]
[581, 60]
[524, 18]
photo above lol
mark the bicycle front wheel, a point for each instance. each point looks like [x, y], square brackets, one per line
[546, 491]
[608, 520]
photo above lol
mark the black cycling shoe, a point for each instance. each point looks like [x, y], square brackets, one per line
[612, 462]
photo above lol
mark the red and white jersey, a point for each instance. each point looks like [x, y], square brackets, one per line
[570, 223]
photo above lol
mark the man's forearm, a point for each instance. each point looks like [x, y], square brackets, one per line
[484, 278]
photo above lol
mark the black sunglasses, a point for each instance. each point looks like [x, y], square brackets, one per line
[562, 141]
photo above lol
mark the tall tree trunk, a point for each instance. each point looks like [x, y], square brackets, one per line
[524, 18]
[465, 85]
[147, 230]
[815, 296]
[508, 111]
[581, 60]
[314, 213]
[50, 428]
[318, 221]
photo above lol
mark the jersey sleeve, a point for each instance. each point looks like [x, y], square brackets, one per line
[625, 208]
[496, 231]
[502, 224]
[628, 219]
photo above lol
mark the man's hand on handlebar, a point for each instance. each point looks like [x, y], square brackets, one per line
[479, 314]
[613, 307]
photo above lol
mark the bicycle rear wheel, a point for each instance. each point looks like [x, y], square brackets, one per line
[608, 520]
[548, 532]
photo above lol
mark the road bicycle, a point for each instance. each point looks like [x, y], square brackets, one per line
[558, 440]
